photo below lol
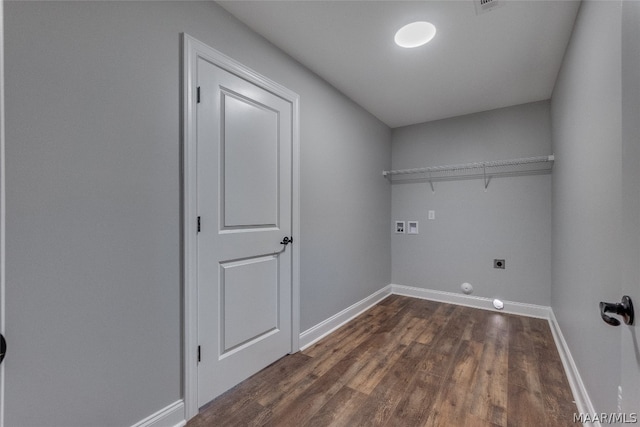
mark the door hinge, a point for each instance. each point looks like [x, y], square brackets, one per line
[198, 95]
[198, 353]
[199, 225]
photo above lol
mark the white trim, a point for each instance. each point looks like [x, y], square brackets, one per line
[580, 395]
[329, 325]
[530, 310]
[188, 265]
[191, 50]
[295, 226]
[170, 416]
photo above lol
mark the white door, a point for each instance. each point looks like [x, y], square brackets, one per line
[2, 216]
[244, 204]
[629, 391]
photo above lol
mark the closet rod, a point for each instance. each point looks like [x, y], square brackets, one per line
[475, 165]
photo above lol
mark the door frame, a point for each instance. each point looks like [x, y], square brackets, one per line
[193, 49]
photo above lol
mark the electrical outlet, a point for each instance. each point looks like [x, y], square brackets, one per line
[499, 263]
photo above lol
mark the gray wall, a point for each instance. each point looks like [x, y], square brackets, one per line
[586, 120]
[93, 255]
[511, 220]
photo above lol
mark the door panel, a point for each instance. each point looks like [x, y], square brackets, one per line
[244, 146]
[249, 304]
[250, 163]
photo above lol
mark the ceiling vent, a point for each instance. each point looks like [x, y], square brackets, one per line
[483, 6]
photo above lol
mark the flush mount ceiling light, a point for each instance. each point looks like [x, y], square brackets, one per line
[415, 34]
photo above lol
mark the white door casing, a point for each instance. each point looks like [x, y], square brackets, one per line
[241, 286]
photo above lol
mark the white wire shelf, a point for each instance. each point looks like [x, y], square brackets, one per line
[485, 170]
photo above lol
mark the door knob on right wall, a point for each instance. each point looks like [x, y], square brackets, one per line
[624, 309]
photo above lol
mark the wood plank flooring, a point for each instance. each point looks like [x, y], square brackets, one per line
[410, 362]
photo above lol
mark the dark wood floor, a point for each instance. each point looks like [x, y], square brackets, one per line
[410, 362]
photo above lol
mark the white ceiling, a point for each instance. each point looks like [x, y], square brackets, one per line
[507, 56]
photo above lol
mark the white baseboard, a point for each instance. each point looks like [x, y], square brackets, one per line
[329, 325]
[580, 395]
[170, 416]
[530, 310]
